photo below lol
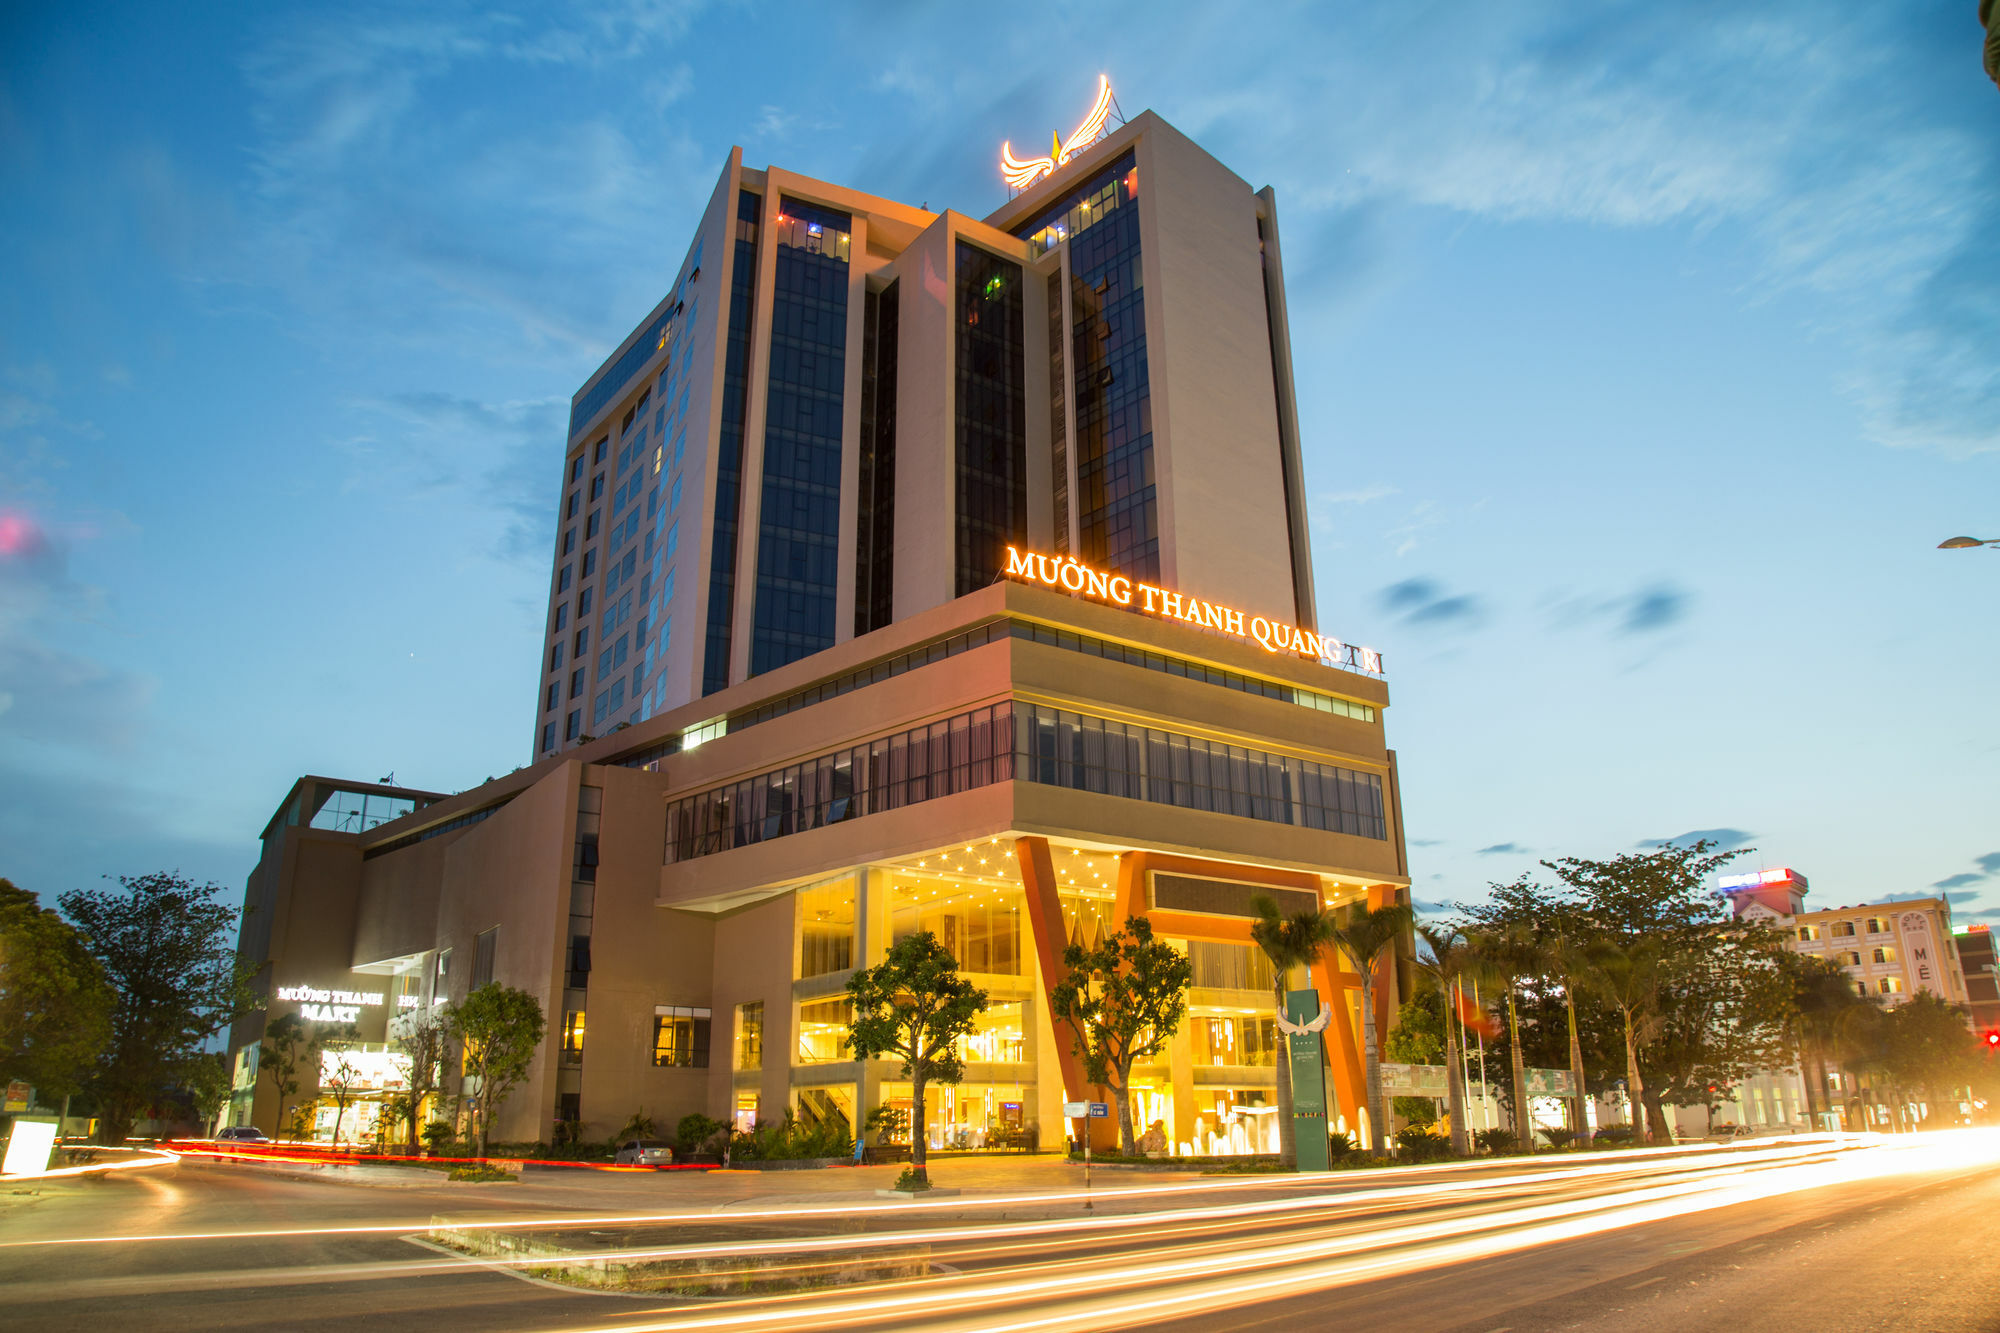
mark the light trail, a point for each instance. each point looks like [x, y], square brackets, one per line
[1181, 1286]
[1599, 1163]
[153, 1157]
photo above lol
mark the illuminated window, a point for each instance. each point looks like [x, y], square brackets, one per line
[823, 1027]
[1808, 932]
[572, 1037]
[1234, 1040]
[1843, 929]
[484, 946]
[1878, 925]
[826, 928]
[998, 1036]
[750, 1035]
[680, 1037]
[1850, 959]
[1889, 985]
[1885, 953]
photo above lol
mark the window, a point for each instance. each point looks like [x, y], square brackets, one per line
[563, 579]
[483, 947]
[589, 563]
[680, 1037]
[1889, 985]
[584, 601]
[826, 929]
[562, 617]
[673, 538]
[1885, 953]
[582, 643]
[823, 1031]
[574, 727]
[554, 696]
[576, 683]
[441, 979]
[575, 500]
[1878, 925]
[674, 495]
[750, 1035]
[576, 468]
[1234, 1040]
[569, 541]
[1843, 930]
[597, 487]
[1850, 959]
[572, 1037]
[597, 455]
[556, 657]
[593, 523]
[549, 736]
[1808, 932]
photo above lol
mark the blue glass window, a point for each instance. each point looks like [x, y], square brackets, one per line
[729, 446]
[991, 412]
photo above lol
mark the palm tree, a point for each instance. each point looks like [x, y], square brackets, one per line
[1510, 956]
[1446, 956]
[1628, 976]
[1289, 942]
[1366, 935]
[1822, 996]
[1563, 958]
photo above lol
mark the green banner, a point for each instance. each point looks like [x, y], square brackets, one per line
[1308, 1080]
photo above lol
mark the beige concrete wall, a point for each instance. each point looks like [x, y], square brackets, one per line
[1216, 448]
[925, 535]
[754, 954]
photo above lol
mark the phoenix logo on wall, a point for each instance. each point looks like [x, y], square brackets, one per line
[1021, 174]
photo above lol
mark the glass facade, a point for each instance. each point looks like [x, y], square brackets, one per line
[1117, 510]
[991, 416]
[826, 928]
[680, 1036]
[798, 534]
[823, 1032]
[875, 531]
[729, 446]
[977, 920]
[1058, 416]
[1031, 743]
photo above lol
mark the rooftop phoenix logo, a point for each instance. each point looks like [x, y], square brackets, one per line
[1021, 174]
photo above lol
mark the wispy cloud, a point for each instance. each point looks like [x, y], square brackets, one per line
[1506, 849]
[1725, 839]
[1424, 601]
[1989, 868]
[1648, 609]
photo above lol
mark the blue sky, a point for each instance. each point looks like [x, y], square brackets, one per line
[1645, 355]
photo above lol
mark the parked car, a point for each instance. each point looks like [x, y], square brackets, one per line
[241, 1134]
[645, 1152]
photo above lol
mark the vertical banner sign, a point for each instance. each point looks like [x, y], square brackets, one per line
[1920, 954]
[1308, 1078]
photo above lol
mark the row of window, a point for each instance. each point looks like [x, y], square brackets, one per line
[1874, 925]
[1031, 743]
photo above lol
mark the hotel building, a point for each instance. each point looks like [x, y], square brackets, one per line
[910, 572]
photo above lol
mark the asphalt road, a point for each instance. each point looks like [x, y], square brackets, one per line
[1818, 1240]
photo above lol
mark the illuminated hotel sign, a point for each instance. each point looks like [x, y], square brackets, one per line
[1021, 174]
[1273, 636]
[1759, 878]
[331, 1006]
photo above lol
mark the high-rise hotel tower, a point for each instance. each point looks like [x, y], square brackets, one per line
[913, 573]
[845, 408]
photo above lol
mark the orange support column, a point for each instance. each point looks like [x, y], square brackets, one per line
[1386, 999]
[1045, 922]
[1350, 1087]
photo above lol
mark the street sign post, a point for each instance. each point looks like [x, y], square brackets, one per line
[1086, 1111]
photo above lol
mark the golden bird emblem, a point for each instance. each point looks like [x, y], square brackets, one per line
[1020, 174]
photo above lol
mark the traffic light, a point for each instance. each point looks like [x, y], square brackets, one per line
[1993, 1039]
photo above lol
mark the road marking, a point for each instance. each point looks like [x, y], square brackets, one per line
[1647, 1283]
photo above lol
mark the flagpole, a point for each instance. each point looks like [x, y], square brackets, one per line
[1485, 1100]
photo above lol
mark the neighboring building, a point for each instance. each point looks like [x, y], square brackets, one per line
[1982, 984]
[845, 407]
[1891, 950]
[1026, 653]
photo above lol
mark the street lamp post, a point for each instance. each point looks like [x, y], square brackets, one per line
[1966, 543]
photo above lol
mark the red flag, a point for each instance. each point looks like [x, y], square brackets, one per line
[1476, 1018]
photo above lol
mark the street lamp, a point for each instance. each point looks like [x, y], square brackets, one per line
[1962, 543]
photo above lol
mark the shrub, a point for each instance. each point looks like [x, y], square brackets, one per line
[910, 1181]
[1339, 1145]
[1496, 1140]
[887, 1122]
[1421, 1112]
[437, 1137]
[481, 1173]
[695, 1133]
[791, 1139]
[638, 1125]
[1612, 1136]
[1416, 1144]
[1559, 1137]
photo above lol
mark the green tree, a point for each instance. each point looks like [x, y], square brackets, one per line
[1446, 958]
[1418, 1038]
[288, 1053]
[425, 1041]
[1510, 957]
[55, 1005]
[914, 1005]
[500, 1030]
[1290, 942]
[340, 1077]
[208, 1085]
[1366, 936]
[1124, 999]
[1927, 1054]
[168, 949]
[1822, 996]
[1629, 976]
